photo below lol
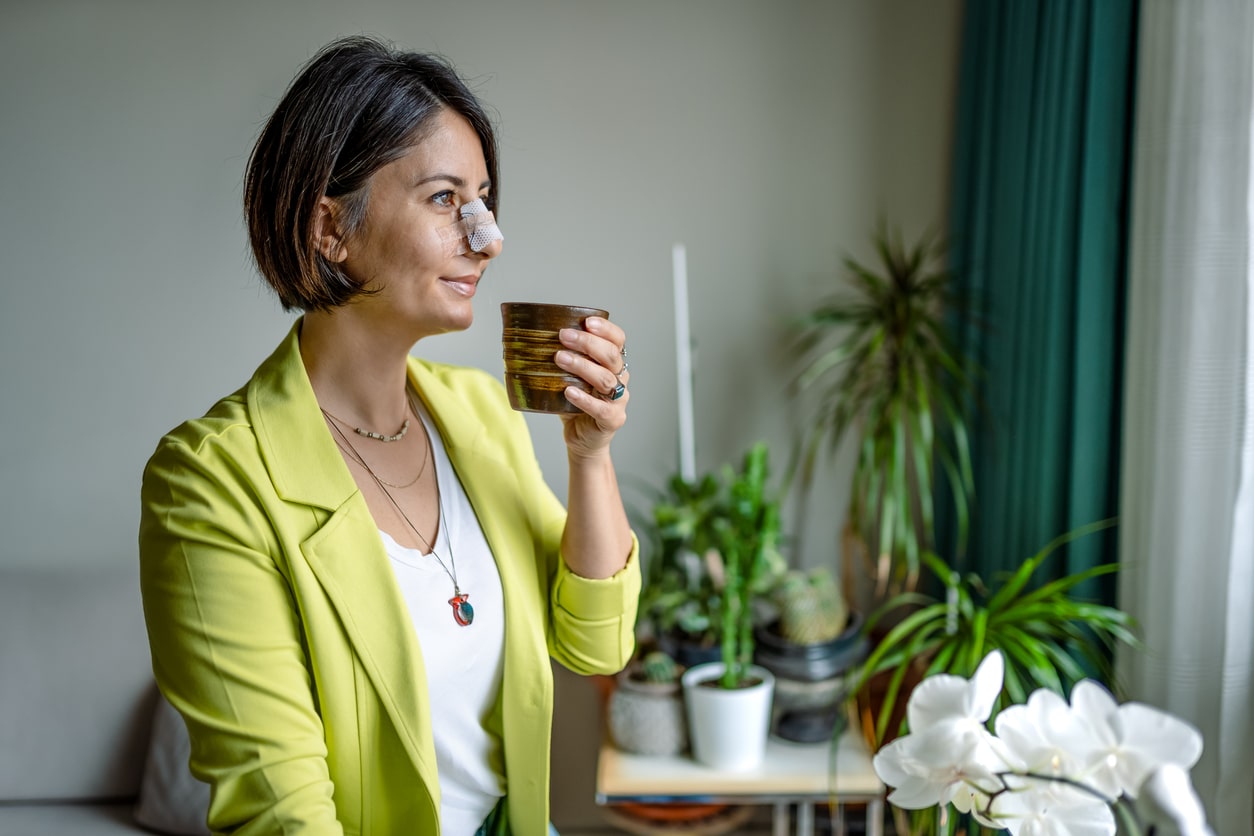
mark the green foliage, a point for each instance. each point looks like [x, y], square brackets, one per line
[679, 595]
[685, 574]
[715, 549]
[1044, 635]
[746, 538]
[892, 376]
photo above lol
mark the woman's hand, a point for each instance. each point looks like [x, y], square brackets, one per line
[596, 542]
[598, 356]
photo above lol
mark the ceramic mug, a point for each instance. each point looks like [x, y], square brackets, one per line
[529, 341]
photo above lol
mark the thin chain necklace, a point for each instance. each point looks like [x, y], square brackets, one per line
[365, 433]
[357, 457]
[463, 612]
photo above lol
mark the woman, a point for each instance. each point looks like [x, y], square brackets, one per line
[354, 575]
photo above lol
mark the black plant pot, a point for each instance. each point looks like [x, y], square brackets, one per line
[688, 651]
[811, 680]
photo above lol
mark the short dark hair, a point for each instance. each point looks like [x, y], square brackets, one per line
[355, 107]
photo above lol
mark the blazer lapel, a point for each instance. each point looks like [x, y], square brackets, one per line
[348, 558]
[345, 553]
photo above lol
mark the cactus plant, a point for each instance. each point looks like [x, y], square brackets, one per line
[659, 668]
[811, 607]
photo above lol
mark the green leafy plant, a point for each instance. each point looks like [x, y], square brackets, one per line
[887, 373]
[1045, 635]
[691, 529]
[679, 596]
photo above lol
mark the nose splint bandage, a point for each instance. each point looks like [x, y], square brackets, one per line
[475, 232]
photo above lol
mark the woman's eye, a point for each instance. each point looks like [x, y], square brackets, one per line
[444, 198]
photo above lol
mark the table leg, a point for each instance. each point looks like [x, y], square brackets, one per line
[805, 819]
[875, 817]
[838, 819]
[779, 821]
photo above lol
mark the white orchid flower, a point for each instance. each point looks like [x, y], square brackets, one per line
[1167, 802]
[1035, 807]
[1130, 741]
[1053, 769]
[949, 756]
[1047, 737]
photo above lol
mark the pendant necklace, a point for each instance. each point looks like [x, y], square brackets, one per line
[463, 612]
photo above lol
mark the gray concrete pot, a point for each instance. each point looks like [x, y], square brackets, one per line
[647, 718]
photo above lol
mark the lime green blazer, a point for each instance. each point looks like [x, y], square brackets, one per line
[278, 632]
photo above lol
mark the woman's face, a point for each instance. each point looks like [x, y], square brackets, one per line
[402, 249]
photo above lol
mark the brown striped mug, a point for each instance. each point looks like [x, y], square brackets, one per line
[529, 341]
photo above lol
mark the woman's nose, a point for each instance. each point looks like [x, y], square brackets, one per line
[492, 250]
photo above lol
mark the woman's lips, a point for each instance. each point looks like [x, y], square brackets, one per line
[465, 285]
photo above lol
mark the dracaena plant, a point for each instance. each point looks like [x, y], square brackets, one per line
[884, 370]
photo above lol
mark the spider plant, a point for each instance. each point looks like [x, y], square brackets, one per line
[1046, 636]
[886, 373]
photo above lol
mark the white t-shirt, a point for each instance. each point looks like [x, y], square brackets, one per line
[464, 664]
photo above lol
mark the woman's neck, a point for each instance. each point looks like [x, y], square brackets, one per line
[357, 369]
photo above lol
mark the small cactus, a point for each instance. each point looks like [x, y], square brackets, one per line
[658, 667]
[811, 608]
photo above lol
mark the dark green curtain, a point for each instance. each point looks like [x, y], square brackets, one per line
[1038, 244]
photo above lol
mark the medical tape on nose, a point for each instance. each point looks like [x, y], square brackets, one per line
[475, 232]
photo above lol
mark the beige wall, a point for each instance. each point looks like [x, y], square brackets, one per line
[767, 136]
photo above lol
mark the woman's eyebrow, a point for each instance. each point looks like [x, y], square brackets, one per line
[451, 178]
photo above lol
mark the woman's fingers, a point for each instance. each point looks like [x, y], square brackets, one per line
[596, 355]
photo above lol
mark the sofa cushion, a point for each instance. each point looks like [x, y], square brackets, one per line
[75, 684]
[170, 799]
[66, 819]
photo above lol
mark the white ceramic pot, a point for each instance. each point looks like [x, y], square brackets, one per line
[727, 728]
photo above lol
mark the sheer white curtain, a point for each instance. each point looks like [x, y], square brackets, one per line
[1187, 516]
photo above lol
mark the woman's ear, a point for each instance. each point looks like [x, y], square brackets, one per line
[326, 231]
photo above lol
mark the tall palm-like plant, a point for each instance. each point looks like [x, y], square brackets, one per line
[888, 374]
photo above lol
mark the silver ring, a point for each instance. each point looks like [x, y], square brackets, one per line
[618, 392]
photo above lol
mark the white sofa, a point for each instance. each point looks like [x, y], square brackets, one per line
[77, 703]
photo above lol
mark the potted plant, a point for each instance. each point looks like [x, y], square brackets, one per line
[888, 377]
[646, 709]
[729, 701]
[678, 598]
[1046, 637]
[812, 644]
[681, 598]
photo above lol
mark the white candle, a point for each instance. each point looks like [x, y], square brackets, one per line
[683, 351]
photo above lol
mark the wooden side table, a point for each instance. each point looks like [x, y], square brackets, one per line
[792, 774]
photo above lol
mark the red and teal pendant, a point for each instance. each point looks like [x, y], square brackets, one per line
[463, 613]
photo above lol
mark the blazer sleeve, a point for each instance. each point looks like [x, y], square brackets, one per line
[227, 645]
